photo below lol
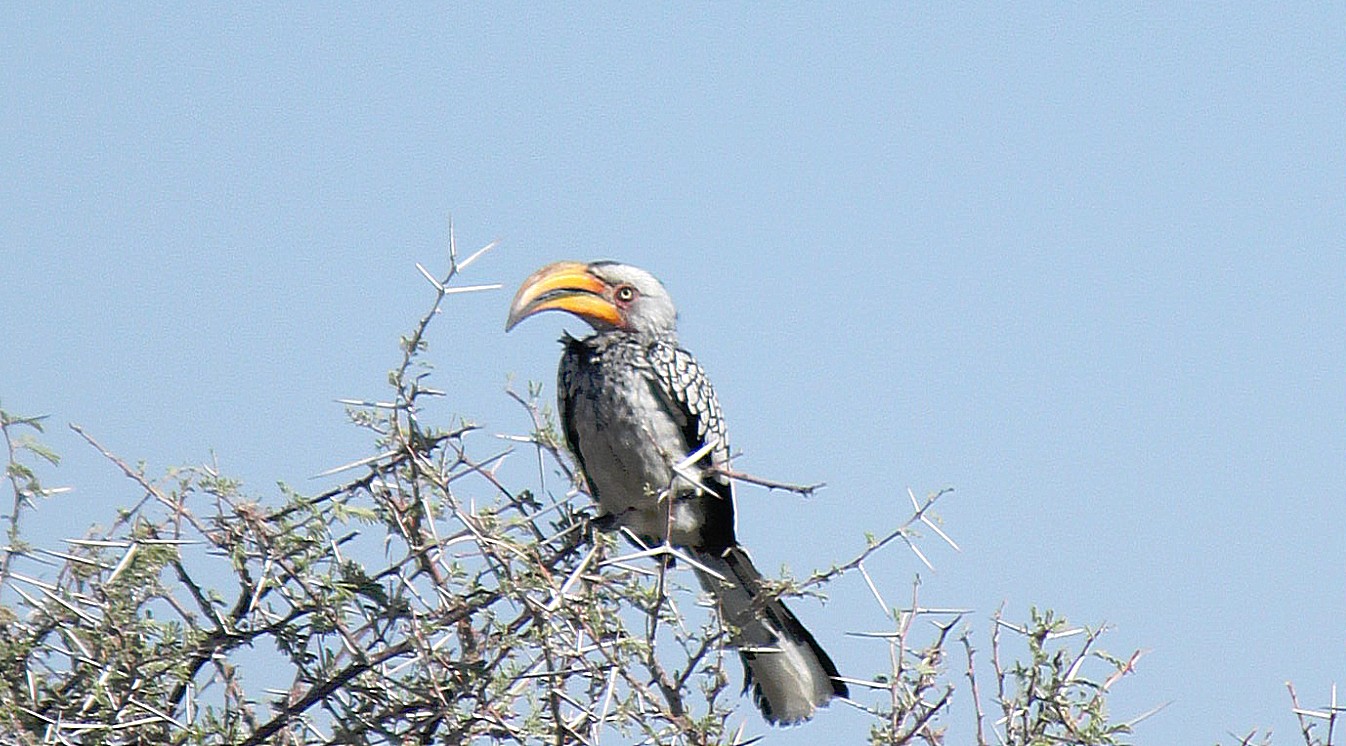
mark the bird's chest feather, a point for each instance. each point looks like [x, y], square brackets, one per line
[629, 430]
[626, 435]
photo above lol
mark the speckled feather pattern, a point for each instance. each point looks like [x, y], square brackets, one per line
[633, 404]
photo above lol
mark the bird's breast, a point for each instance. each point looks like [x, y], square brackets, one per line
[628, 441]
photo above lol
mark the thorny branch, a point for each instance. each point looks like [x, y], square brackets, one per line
[805, 490]
[423, 600]
[903, 532]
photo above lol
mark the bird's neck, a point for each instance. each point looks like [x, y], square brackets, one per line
[611, 337]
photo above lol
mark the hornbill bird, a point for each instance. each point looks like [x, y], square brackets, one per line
[634, 405]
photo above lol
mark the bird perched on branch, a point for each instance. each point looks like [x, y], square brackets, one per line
[644, 426]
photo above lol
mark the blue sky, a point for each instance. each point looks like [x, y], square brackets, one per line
[1083, 264]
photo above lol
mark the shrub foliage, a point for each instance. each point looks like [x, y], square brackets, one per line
[426, 601]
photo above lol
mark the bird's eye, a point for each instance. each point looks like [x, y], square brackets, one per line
[625, 294]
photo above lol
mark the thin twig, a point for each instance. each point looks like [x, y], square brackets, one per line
[806, 490]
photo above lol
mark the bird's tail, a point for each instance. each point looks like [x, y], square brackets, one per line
[789, 673]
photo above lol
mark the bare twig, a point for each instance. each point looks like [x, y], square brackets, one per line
[806, 490]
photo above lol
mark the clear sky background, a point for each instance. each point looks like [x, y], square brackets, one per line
[1085, 265]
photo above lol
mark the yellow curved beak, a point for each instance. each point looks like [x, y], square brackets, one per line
[564, 286]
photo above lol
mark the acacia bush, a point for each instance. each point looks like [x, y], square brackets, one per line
[425, 601]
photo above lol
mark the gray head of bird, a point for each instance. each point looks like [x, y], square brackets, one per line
[607, 295]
